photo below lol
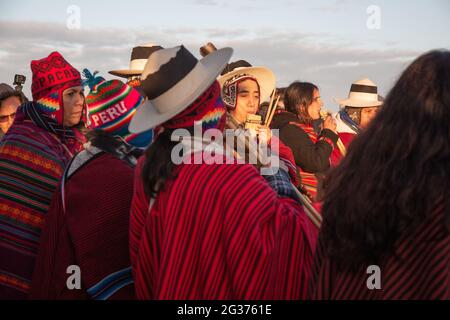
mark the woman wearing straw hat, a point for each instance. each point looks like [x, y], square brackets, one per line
[208, 230]
[358, 110]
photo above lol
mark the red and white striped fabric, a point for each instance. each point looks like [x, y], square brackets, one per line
[418, 269]
[219, 232]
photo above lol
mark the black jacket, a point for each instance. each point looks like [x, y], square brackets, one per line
[310, 157]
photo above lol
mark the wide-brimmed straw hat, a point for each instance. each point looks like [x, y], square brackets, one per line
[172, 79]
[363, 94]
[138, 59]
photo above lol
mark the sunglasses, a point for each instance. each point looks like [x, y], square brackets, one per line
[5, 118]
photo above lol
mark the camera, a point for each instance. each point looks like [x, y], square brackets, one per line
[19, 80]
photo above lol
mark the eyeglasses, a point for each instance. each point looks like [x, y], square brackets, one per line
[5, 118]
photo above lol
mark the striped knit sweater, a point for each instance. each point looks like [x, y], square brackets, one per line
[219, 232]
[418, 269]
[31, 163]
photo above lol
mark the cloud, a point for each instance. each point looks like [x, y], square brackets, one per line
[314, 57]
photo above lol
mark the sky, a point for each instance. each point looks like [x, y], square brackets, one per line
[329, 43]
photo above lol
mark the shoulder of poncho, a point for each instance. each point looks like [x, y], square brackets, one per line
[341, 126]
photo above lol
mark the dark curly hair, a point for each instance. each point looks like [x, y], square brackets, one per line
[395, 172]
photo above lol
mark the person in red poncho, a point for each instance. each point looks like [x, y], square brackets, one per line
[386, 227]
[44, 136]
[87, 223]
[358, 110]
[205, 229]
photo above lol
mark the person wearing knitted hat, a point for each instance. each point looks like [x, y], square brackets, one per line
[87, 224]
[203, 226]
[33, 154]
[357, 112]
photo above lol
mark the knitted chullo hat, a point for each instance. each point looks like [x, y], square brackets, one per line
[111, 105]
[4, 89]
[51, 76]
[207, 108]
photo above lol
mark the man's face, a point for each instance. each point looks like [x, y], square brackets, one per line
[367, 115]
[247, 100]
[8, 110]
[73, 102]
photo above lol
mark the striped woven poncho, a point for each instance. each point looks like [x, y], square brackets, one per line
[219, 232]
[32, 159]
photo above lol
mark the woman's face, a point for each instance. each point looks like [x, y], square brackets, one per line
[247, 100]
[8, 110]
[317, 104]
[73, 102]
[367, 115]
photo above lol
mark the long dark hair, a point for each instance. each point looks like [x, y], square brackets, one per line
[159, 168]
[395, 172]
[298, 97]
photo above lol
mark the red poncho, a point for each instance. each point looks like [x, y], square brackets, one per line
[219, 232]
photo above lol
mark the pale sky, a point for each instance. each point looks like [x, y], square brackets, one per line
[324, 42]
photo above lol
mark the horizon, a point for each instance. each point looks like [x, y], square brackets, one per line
[328, 43]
